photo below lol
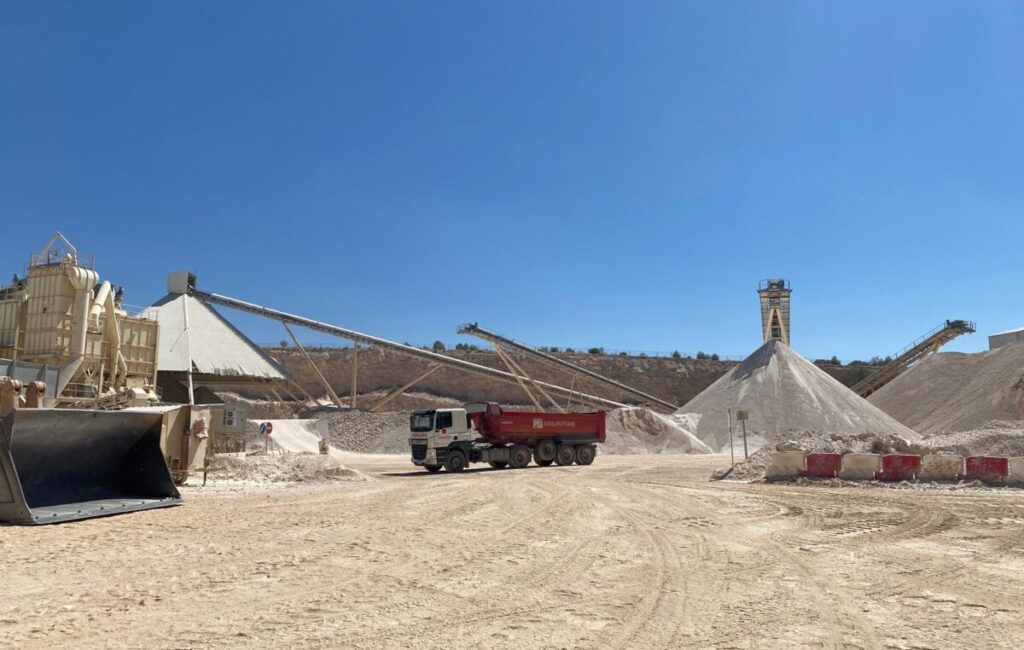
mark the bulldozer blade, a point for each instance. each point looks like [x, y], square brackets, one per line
[61, 465]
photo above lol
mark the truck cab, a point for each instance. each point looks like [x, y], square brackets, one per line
[433, 432]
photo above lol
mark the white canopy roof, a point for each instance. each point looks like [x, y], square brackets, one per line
[215, 346]
[1019, 329]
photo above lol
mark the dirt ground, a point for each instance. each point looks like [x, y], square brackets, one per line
[631, 552]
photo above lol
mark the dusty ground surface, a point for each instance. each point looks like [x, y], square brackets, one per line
[633, 551]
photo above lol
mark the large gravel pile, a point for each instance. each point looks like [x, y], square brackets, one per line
[379, 433]
[642, 431]
[954, 391]
[782, 391]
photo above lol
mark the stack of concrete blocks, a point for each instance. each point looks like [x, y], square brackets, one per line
[860, 467]
[1016, 476]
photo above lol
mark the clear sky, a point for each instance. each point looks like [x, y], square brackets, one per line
[567, 173]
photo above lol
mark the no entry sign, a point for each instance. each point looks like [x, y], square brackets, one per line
[266, 428]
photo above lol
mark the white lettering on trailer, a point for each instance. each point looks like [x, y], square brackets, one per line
[539, 423]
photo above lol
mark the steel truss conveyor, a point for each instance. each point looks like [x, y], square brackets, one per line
[432, 357]
[497, 339]
[913, 353]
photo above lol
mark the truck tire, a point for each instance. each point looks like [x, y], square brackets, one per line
[565, 455]
[585, 454]
[456, 461]
[433, 469]
[544, 451]
[519, 456]
[540, 461]
[498, 464]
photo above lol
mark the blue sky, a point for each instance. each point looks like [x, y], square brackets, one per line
[567, 173]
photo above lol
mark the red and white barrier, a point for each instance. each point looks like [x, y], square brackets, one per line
[990, 469]
[899, 467]
[785, 464]
[823, 465]
[896, 467]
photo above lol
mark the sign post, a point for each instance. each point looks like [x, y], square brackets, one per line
[266, 428]
[742, 417]
[732, 454]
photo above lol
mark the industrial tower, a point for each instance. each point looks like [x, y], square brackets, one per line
[774, 296]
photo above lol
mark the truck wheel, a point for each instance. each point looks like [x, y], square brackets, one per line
[456, 461]
[497, 464]
[544, 451]
[565, 455]
[540, 461]
[433, 469]
[585, 454]
[519, 456]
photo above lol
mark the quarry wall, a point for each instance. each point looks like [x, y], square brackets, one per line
[675, 380]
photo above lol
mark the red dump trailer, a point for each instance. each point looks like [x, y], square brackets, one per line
[486, 433]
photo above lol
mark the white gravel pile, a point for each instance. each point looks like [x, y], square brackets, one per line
[282, 468]
[996, 438]
[955, 391]
[642, 431]
[782, 391]
[378, 433]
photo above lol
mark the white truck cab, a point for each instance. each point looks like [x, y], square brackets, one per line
[433, 431]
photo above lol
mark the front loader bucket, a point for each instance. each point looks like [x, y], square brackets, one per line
[61, 465]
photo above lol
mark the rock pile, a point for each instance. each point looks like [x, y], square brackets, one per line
[281, 468]
[782, 391]
[642, 431]
[954, 391]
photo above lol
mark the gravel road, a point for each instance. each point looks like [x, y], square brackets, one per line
[631, 552]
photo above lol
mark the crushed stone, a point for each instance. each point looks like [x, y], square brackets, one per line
[281, 468]
[782, 391]
[642, 431]
[957, 391]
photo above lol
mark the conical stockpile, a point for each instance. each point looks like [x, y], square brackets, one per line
[782, 391]
[955, 391]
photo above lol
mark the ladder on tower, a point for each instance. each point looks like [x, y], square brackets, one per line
[913, 353]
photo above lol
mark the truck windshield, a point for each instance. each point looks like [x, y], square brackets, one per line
[422, 421]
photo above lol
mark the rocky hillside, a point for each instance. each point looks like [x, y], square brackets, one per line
[675, 380]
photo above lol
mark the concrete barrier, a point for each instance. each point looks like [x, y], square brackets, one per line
[899, 467]
[990, 469]
[785, 464]
[823, 465]
[860, 467]
[941, 467]
[1016, 471]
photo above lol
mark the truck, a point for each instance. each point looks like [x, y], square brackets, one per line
[483, 432]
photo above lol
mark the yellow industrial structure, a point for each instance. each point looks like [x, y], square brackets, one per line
[774, 296]
[62, 315]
